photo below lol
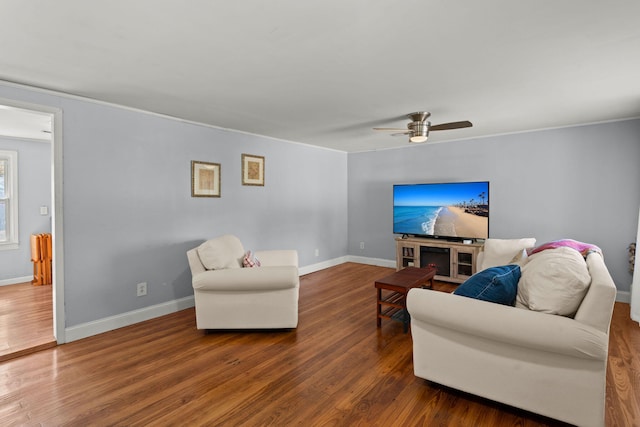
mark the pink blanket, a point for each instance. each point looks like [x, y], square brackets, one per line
[583, 248]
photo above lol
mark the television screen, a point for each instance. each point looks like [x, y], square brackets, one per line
[457, 210]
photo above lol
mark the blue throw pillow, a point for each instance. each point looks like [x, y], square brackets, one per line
[495, 284]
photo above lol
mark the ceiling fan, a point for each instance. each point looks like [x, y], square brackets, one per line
[418, 129]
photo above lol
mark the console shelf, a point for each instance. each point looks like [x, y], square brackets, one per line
[454, 261]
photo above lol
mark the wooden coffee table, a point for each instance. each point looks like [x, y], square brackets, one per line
[393, 289]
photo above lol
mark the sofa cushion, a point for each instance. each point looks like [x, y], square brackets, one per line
[499, 252]
[495, 284]
[554, 281]
[222, 252]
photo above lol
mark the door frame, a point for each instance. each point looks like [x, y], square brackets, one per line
[57, 210]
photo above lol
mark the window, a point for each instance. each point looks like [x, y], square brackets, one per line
[8, 199]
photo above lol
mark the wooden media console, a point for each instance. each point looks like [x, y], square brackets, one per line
[454, 261]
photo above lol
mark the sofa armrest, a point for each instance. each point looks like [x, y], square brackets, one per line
[247, 279]
[596, 308]
[516, 326]
[278, 257]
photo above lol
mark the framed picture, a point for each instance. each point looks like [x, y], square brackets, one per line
[252, 170]
[205, 179]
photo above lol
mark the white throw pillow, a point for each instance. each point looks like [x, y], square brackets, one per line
[499, 252]
[554, 281]
[222, 252]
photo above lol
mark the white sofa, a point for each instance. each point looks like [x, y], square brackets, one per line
[545, 363]
[229, 296]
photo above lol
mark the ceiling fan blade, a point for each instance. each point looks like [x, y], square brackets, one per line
[400, 133]
[390, 129]
[452, 125]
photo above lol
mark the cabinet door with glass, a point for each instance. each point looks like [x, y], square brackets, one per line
[464, 267]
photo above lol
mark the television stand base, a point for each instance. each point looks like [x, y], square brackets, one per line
[455, 261]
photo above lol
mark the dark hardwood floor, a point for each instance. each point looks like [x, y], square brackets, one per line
[26, 319]
[335, 369]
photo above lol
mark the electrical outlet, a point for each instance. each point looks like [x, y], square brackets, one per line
[317, 252]
[361, 245]
[141, 289]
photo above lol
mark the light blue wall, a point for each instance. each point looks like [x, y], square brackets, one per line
[129, 215]
[580, 182]
[34, 190]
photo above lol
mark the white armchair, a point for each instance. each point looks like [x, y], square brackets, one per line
[228, 296]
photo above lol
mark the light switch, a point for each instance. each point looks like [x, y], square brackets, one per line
[44, 210]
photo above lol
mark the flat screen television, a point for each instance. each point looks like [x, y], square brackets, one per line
[451, 210]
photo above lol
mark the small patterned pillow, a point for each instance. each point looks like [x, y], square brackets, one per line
[250, 261]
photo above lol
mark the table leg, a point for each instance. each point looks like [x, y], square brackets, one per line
[379, 309]
[405, 317]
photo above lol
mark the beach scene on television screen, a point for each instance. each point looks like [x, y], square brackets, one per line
[451, 209]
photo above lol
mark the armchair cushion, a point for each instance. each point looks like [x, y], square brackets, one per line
[222, 252]
[495, 284]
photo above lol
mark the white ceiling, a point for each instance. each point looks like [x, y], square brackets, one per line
[326, 72]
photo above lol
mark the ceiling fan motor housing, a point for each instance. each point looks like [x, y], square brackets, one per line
[419, 131]
[420, 116]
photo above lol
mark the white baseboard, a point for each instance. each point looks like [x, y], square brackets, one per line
[321, 265]
[16, 280]
[341, 260]
[623, 296]
[372, 261]
[85, 330]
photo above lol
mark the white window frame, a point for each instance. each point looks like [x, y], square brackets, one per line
[11, 193]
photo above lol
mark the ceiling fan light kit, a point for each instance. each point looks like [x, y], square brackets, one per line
[418, 129]
[418, 139]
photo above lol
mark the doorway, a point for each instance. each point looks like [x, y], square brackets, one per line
[29, 123]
